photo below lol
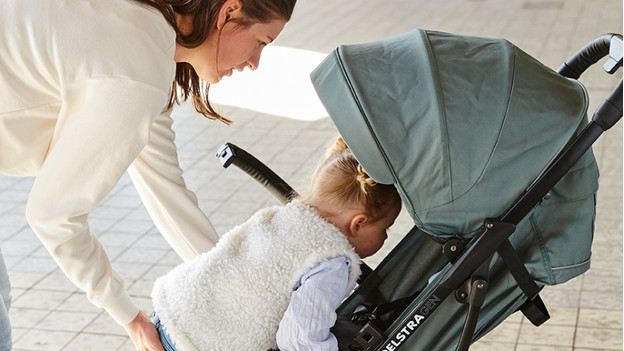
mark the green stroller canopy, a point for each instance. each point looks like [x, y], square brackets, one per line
[461, 125]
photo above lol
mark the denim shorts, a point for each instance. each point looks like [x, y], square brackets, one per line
[165, 339]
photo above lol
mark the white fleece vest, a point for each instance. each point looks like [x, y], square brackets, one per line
[234, 296]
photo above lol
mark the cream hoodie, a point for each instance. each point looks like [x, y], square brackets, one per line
[83, 84]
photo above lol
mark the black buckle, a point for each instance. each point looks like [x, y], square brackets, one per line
[369, 337]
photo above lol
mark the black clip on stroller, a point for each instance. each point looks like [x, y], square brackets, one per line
[406, 107]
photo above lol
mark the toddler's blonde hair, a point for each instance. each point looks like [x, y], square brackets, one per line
[341, 180]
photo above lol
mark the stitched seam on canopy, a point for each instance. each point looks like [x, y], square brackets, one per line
[504, 121]
[546, 263]
[364, 115]
[584, 263]
[441, 104]
[511, 86]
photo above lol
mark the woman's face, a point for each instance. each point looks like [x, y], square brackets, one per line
[241, 46]
[238, 47]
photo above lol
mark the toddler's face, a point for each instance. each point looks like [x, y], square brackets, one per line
[372, 235]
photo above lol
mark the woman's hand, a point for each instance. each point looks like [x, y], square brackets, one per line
[143, 333]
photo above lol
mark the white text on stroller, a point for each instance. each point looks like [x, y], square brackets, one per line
[412, 324]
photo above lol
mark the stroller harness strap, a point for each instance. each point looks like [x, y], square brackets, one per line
[534, 308]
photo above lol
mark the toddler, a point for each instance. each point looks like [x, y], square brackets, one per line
[276, 280]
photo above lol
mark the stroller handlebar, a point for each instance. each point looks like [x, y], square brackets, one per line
[232, 154]
[610, 111]
[606, 44]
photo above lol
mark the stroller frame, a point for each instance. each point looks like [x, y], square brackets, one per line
[468, 274]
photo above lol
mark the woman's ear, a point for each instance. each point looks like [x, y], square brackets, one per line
[356, 224]
[231, 9]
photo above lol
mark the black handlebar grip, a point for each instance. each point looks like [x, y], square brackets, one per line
[232, 154]
[589, 55]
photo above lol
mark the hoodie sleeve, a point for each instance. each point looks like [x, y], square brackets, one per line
[95, 140]
[174, 209]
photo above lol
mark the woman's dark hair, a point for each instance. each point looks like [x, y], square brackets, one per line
[204, 14]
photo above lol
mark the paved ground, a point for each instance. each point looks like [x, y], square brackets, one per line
[49, 313]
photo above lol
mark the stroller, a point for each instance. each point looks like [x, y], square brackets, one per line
[491, 154]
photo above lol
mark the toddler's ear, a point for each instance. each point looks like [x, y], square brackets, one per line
[356, 224]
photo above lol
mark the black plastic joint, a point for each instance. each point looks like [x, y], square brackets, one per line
[369, 337]
[610, 110]
[452, 248]
[607, 115]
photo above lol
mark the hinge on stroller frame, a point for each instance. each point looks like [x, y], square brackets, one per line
[465, 293]
[452, 248]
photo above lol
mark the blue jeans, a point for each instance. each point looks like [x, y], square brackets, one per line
[165, 339]
[5, 304]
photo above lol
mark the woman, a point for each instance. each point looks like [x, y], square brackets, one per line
[87, 91]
